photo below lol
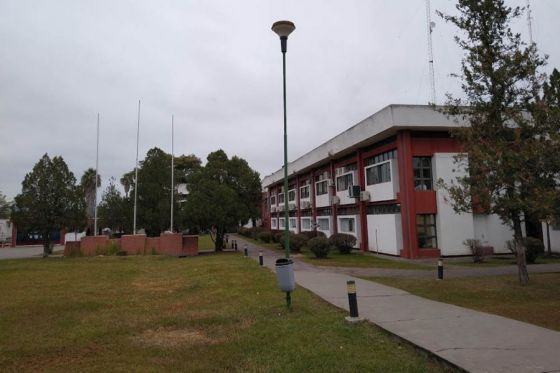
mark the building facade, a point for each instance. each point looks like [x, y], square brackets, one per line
[378, 182]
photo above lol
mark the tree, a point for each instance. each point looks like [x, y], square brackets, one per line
[127, 180]
[89, 186]
[114, 209]
[154, 188]
[506, 147]
[222, 194]
[49, 200]
[5, 207]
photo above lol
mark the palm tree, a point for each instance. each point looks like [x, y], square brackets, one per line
[126, 181]
[88, 185]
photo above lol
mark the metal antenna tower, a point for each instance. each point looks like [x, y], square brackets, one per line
[430, 26]
[529, 22]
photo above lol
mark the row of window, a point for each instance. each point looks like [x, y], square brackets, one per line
[425, 227]
[376, 173]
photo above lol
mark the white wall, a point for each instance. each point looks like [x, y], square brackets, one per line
[326, 232]
[5, 230]
[386, 191]
[73, 236]
[356, 232]
[452, 228]
[385, 233]
[490, 230]
[554, 238]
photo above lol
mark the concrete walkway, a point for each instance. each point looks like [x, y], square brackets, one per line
[22, 252]
[472, 340]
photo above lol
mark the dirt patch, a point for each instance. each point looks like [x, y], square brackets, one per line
[164, 337]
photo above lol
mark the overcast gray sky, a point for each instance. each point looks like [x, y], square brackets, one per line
[216, 66]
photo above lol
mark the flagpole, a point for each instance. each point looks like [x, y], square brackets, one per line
[172, 173]
[136, 171]
[95, 181]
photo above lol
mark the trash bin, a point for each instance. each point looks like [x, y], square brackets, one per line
[285, 274]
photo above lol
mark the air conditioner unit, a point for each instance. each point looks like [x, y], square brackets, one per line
[272, 208]
[305, 205]
[292, 206]
[335, 200]
[281, 208]
[365, 196]
[354, 191]
[330, 182]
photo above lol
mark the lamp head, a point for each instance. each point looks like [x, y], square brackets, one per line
[283, 28]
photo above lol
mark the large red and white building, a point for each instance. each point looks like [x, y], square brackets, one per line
[377, 181]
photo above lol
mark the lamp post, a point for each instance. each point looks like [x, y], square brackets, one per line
[283, 29]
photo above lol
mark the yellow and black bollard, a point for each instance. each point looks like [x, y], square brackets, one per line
[352, 301]
[440, 269]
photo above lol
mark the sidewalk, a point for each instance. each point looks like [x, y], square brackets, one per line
[472, 340]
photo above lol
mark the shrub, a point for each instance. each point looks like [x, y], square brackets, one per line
[343, 242]
[319, 246]
[265, 236]
[121, 253]
[313, 234]
[533, 248]
[278, 237]
[477, 251]
[297, 241]
[246, 232]
[255, 231]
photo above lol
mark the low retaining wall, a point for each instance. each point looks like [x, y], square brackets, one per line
[133, 244]
[137, 244]
[90, 244]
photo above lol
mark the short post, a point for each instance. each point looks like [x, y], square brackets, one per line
[261, 259]
[352, 302]
[246, 251]
[235, 245]
[440, 269]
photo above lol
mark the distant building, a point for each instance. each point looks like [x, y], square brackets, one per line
[376, 181]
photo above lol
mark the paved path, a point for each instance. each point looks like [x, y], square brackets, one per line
[21, 252]
[472, 340]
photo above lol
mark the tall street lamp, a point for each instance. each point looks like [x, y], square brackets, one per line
[283, 29]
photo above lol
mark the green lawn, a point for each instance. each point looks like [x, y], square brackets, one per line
[355, 259]
[538, 303]
[153, 313]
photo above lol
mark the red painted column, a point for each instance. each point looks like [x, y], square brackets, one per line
[406, 194]
[332, 193]
[362, 204]
[14, 235]
[312, 194]
[298, 207]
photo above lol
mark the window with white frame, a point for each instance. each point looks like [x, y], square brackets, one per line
[291, 195]
[306, 223]
[348, 225]
[281, 198]
[304, 192]
[321, 188]
[293, 223]
[323, 224]
[281, 223]
[272, 200]
[378, 174]
[344, 182]
[273, 223]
